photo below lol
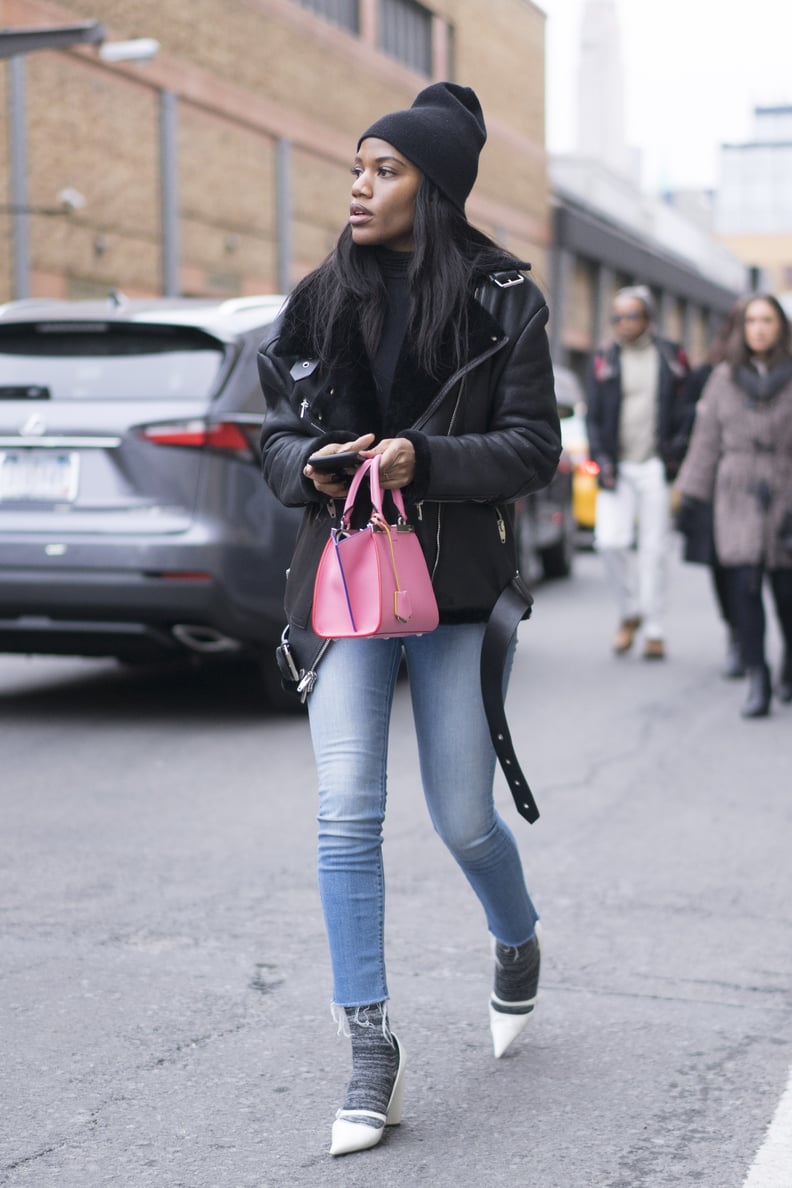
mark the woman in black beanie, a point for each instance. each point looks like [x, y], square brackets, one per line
[423, 342]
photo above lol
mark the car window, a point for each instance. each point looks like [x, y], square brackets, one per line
[106, 361]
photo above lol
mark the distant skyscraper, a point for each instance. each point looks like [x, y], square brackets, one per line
[755, 192]
[601, 89]
[753, 203]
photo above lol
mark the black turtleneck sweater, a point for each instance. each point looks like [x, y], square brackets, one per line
[394, 267]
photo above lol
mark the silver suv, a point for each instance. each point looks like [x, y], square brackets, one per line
[134, 521]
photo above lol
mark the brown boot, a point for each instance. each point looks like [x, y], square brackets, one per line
[654, 649]
[623, 639]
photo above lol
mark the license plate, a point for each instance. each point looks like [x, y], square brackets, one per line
[42, 476]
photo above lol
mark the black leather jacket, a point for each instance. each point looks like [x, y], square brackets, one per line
[674, 408]
[483, 437]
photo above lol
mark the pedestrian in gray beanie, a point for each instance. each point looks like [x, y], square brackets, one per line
[640, 293]
[442, 133]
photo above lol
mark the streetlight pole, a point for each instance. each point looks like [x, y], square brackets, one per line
[14, 43]
[169, 193]
[17, 153]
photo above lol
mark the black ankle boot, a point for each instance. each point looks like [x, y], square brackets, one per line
[785, 680]
[757, 703]
[734, 667]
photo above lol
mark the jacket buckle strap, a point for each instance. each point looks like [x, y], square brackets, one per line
[506, 280]
[303, 368]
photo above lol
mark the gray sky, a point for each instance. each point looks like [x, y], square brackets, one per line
[694, 70]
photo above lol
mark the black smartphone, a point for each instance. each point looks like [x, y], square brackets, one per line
[335, 463]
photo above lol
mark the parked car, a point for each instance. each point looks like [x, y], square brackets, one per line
[134, 521]
[585, 470]
[547, 532]
[546, 528]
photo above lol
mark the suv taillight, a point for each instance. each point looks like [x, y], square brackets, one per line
[239, 438]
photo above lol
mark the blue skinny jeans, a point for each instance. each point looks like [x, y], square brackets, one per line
[349, 713]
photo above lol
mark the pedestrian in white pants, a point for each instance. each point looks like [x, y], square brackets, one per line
[639, 420]
[638, 575]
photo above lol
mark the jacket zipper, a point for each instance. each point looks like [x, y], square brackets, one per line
[439, 506]
[305, 407]
[446, 388]
[437, 541]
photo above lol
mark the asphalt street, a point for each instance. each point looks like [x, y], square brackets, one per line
[164, 1002]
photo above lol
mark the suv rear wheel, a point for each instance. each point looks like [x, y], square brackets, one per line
[558, 559]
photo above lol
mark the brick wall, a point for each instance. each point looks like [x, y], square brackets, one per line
[245, 74]
[98, 134]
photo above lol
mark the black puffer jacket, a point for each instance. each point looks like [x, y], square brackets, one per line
[484, 435]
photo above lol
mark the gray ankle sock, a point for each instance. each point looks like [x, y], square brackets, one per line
[517, 971]
[375, 1059]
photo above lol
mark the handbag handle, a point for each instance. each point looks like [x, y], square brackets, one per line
[370, 467]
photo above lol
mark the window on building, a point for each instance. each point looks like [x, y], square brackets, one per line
[341, 12]
[405, 31]
[452, 53]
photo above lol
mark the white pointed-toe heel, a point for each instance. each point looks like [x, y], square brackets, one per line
[504, 1028]
[509, 1019]
[349, 1136]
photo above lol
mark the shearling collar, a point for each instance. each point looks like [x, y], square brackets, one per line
[350, 399]
[293, 331]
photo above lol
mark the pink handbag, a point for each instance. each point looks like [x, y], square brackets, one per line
[373, 580]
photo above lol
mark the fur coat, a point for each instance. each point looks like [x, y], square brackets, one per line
[740, 460]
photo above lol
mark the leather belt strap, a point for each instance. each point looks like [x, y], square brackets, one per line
[513, 605]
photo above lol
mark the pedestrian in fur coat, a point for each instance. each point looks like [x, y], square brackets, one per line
[740, 461]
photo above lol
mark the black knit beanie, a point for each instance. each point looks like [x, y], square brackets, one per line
[442, 133]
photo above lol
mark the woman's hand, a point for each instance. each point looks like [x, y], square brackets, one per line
[607, 476]
[330, 484]
[397, 462]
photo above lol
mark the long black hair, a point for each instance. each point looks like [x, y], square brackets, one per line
[347, 291]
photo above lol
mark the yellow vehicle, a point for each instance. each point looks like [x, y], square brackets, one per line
[585, 471]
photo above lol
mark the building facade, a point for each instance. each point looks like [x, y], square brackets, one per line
[221, 167]
[753, 204]
[608, 234]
